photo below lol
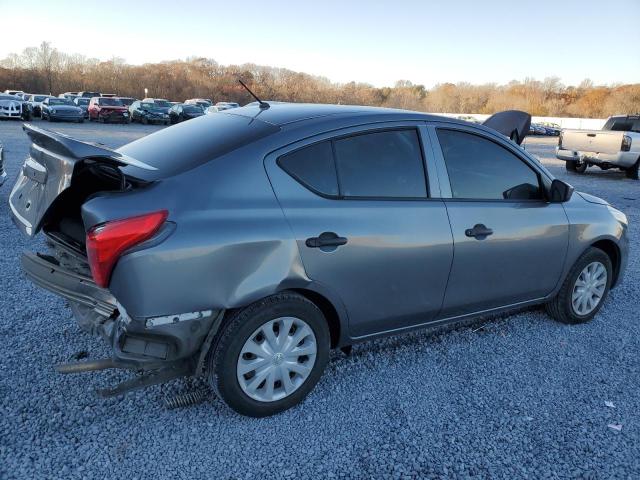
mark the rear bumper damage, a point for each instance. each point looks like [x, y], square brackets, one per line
[161, 348]
[46, 273]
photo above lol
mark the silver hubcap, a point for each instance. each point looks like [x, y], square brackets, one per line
[589, 288]
[276, 359]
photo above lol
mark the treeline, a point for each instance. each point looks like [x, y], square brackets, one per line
[44, 69]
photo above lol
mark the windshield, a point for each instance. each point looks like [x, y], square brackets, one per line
[110, 102]
[82, 101]
[192, 109]
[59, 101]
[162, 103]
[150, 106]
[126, 101]
[39, 98]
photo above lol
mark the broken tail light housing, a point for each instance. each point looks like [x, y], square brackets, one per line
[107, 242]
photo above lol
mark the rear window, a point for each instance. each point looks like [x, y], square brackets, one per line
[313, 167]
[191, 144]
[110, 102]
[381, 164]
[623, 124]
[385, 164]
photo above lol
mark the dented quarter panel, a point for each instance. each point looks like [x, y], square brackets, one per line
[231, 245]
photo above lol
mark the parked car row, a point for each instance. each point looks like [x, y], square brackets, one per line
[104, 107]
[548, 129]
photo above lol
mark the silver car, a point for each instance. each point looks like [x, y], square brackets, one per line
[243, 246]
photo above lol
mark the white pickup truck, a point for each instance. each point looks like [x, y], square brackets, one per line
[617, 145]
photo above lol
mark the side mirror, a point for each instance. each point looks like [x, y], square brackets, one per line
[560, 191]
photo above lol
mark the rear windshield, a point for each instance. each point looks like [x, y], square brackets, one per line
[623, 124]
[110, 102]
[190, 144]
[192, 108]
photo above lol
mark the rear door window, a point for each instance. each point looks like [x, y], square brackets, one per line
[381, 164]
[481, 169]
[313, 167]
[385, 164]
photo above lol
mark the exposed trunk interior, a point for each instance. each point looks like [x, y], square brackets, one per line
[63, 220]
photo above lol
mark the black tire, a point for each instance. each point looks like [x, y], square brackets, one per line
[632, 172]
[581, 167]
[145, 121]
[561, 308]
[570, 165]
[237, 329]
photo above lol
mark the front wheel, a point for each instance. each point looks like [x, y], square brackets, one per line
[584, 290]
[270, 355]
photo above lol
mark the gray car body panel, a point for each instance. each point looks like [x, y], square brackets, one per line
[239, 224]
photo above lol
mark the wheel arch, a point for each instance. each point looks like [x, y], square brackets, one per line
[335, 316]
[613, 252]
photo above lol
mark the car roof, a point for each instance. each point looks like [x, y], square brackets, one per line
[281, 114]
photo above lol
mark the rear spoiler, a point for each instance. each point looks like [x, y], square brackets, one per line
[66, 146]
[511, 123]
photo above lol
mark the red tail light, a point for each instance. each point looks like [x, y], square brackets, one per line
[105, 243]
[626, 143]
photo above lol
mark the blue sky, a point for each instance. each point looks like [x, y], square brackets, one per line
[426, 42]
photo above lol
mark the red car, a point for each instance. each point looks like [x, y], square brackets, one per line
[108, 109]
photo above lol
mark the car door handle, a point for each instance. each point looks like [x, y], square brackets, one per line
[478, 231]
[325, 239]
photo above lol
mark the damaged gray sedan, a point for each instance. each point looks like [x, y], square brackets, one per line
[243, 246]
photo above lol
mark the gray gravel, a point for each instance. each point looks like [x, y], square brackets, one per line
[522, 396]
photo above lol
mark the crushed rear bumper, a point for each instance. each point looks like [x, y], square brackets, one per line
[138, 343]
[46, 273]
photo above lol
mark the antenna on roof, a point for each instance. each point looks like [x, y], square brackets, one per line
[263, 105]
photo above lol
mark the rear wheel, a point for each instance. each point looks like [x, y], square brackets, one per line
[270, 355]
[581, 166]
[570, 165]
[584, 290]
[632, 172]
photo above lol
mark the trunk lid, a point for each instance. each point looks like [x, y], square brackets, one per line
[596, 141]
[511, 123]
[49, 170]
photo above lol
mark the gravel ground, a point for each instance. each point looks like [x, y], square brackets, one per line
[516, 396]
